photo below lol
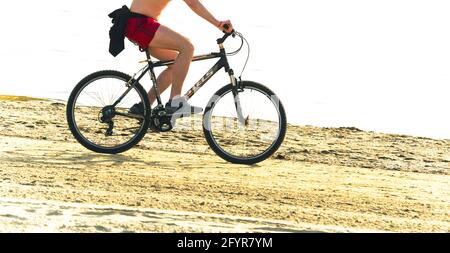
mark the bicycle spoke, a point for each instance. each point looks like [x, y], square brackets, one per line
[93, 113]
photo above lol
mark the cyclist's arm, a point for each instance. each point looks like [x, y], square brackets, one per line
[200, 10]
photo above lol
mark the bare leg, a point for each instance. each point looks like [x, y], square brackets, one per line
[164, 79]
[166, 38]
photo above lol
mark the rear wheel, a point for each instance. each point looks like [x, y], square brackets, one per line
[251, 135]
[100, 125]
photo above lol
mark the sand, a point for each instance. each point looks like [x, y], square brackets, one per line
[321, 180]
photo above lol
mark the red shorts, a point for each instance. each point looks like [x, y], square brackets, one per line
[141, 30]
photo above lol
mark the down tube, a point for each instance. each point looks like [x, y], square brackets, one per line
[204, 79]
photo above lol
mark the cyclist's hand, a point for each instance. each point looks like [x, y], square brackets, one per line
[222, 28]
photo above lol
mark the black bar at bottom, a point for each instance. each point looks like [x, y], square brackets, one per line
[294, 242]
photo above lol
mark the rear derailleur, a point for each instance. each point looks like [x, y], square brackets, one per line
[106, 116]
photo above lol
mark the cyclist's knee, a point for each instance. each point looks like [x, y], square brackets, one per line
[187, 47]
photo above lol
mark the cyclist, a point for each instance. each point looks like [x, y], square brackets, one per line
[143, 28]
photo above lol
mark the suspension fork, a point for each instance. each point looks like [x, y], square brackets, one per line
[236, 89]
[235, 85]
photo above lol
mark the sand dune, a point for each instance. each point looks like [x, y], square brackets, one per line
[321, 179]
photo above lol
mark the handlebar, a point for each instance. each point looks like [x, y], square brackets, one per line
[222, 40]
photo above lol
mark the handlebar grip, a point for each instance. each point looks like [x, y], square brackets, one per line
[226, 26]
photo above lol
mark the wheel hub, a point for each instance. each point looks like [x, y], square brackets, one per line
[107, 114]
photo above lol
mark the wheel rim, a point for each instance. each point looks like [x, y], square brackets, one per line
[88, 104]
[237, 140]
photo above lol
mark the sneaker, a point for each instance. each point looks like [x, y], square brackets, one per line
[180, 106]
[137, 109]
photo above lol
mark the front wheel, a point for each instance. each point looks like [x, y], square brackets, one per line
[245, 125]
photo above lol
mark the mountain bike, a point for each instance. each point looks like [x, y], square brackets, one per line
[244, 122]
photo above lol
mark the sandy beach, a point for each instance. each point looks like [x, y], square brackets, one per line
[320, 180]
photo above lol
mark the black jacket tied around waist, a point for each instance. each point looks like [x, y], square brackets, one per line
[117, 31]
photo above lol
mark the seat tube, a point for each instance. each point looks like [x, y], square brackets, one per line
[155, 85]
[153, 77]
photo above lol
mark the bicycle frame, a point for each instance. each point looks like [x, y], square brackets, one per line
[221, 63]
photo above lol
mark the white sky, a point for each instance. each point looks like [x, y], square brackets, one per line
[379, 65]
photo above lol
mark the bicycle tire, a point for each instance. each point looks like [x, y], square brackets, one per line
[72, 122]
[234, 159]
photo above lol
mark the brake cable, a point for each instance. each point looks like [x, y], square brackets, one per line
[248, 55]
[238, 50]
